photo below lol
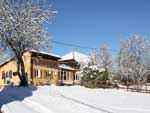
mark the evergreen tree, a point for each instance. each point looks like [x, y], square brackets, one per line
[105, 75]
[93, 76]
[90, 71]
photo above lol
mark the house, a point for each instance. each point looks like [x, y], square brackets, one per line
[77, 60]
[41, 68]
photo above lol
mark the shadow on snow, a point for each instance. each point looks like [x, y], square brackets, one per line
[16, 93]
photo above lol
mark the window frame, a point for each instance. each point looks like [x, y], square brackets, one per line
[37, 73]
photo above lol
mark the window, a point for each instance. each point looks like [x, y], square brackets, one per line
[62, 75]
[74, 76]
[78, 78]
[37, 73]
[47, 74]
[65, 75]
[7, 74]
[51, 72]
[59, 75]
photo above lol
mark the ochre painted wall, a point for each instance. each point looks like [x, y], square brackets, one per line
[27, 63]
[11, 65]
[43, 79]
[29, 69]
[7, 67]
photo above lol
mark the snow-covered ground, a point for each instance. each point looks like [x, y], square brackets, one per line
[72, 99]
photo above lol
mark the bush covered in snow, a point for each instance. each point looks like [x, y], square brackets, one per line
[93, 76]
[90, 72]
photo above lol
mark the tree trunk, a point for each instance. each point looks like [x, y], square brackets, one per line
[18, 71]
[21, 68]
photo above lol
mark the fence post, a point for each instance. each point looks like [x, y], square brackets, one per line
[146, 87]
[127, 85]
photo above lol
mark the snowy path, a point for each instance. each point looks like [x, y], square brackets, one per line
[108, 100]
[74, 99]
[13, 108]
[44, 102]
[18, 106]
[88, 105]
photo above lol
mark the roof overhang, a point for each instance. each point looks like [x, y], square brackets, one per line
[66, 67]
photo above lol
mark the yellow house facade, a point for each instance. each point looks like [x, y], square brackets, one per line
[41, 68]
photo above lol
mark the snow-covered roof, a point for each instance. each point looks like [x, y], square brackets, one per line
[79, 57]
[43, 52]
[64, 66]
[5, 60]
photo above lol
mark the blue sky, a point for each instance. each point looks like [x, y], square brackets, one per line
[96, 22]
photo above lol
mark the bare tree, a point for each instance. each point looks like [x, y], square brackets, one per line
[123, 61]
[132, 59]
[21, 28]
[103, 57]
[147, 61]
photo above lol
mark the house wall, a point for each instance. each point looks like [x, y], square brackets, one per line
[7, 67]
[29, 69]
[69, 76]
[77, 77]
[31, 64]
[43, 79]
[27, 63]
[12, 65]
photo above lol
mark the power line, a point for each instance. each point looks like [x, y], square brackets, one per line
[84, 47]
[73, 45]
[78, 46]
